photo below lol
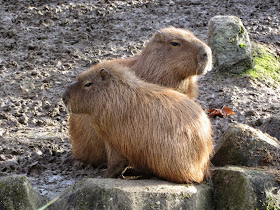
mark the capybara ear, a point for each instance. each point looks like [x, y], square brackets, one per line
[159, 36]
[104, 74]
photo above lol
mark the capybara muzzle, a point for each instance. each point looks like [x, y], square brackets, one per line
[66, 96]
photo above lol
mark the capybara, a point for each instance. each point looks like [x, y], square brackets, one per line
[172, 58]
[155, 128]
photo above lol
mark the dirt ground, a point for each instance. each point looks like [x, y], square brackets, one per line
[45, 44]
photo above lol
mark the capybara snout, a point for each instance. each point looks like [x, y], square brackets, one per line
[204, 59]
[66, 96]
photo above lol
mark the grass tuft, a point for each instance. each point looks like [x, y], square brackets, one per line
[267, 65]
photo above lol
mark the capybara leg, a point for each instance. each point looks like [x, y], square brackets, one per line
[116, 162]
[132, 171]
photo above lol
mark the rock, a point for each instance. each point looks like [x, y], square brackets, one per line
[245, 146]
[97, 193]
[23, 119]
[230, 44]
[16, 192]
[272, 126]
[242, 188]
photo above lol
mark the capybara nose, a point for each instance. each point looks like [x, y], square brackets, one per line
[66, 95]
[73, 83]
[203, 54]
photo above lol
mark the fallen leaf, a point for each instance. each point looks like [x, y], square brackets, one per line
[224, 112]
[214, 112]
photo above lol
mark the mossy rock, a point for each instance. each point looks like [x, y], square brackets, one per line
[266, 64]
[17, 193]
[230, 44]
[245, 146]
[134, 194]
[244, 188]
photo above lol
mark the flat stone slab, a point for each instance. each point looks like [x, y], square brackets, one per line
[94, 193]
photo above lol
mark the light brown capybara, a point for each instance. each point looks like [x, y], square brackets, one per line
[172, 58]
[155, 128]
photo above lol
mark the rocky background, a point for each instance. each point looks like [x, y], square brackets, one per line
[45, 44]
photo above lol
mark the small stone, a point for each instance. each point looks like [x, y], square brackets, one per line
[46, 105]
[251, 113]
[3, 116]
[23, 120]
[34, 73]
[6, 108]
[40, 123]
[2, 158]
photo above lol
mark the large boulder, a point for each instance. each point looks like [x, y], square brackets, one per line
[230, 44]
[243, 188]
[96, 193]
[245, 146]
[17, 193]
[271, 126]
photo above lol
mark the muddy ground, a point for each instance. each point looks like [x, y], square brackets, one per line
[45, 44]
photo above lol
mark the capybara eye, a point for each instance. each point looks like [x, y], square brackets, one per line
[88, 84]
[176, 44]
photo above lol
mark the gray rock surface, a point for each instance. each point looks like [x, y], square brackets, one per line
[96, 193]
[230, 44]
[271, 126]
[17, 193]
[241, 188]
[246, 146]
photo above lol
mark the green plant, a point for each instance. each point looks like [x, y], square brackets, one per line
[242, 45]
[241, 30]
[267, 65]
[270, 204]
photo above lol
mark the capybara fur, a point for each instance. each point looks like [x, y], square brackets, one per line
[172, 58]
[154, 128]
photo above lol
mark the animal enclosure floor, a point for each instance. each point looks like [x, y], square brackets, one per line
[45, 44]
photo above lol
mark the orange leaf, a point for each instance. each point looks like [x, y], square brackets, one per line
[226, 111]
[214, 112]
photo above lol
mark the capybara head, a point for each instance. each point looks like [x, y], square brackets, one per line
[93, 84]
[174, 54]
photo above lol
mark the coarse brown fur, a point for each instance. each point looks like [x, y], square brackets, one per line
[161, 63]
[155, 128]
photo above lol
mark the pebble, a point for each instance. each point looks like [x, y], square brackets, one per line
[23, 120]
